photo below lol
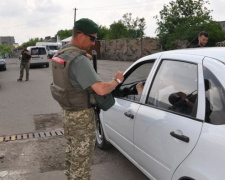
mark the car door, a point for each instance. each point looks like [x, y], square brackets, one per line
[38, 55]
[167, 127]
[119, 120]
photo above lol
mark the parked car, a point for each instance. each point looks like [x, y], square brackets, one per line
[176, 128]
[2, 64]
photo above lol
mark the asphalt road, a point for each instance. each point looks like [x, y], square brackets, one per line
[20, 102]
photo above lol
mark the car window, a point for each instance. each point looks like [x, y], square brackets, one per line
[53, 47]
[38, 51]
[215, 99]
[175, 87]
[137, 74]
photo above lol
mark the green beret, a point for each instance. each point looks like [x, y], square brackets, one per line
[86, 26]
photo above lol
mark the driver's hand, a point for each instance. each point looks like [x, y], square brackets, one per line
[139, 88]
[182, 95]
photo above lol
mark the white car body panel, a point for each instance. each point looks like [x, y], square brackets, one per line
[120, 127]
[146, 140]
[159, 153]
[207, 160]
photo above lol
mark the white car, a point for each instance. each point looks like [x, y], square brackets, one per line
[39, 56]
[176, 128]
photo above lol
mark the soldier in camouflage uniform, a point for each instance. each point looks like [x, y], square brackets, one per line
[74, 81]
[25, 63]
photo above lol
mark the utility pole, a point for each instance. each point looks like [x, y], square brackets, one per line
[75, 11]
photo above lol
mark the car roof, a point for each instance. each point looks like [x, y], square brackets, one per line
[212, 52]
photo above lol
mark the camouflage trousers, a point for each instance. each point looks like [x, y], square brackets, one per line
[24, 65]
[79, 128]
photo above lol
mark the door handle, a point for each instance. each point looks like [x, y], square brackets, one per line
[129, 115]
[180, 137]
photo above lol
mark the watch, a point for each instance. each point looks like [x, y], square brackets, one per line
[117, 80]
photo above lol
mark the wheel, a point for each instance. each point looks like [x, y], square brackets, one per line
[101, 141]
[47, 65]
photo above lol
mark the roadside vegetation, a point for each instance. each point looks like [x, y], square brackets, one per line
[4, 49]
[183, 20]
[178, 20]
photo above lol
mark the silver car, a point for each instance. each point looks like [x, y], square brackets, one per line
[176, 128]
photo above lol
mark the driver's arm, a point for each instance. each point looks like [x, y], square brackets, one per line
[184, 97]
[139, 88]
[102, 88]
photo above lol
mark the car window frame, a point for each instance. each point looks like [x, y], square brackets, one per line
[217, 70]
[189, 58]
[129, 71]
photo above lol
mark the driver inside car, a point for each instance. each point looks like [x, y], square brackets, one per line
[139, 88]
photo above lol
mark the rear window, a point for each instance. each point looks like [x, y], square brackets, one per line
[215, 99]
[38, 51]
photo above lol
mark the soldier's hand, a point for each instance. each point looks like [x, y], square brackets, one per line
[119, 75]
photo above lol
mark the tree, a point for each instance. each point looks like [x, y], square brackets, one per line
[127, 28]
[32, 41]
[5, 49]
[183, 20]
[118, 30]
[135, 27]
[63, 34]
[103, 32]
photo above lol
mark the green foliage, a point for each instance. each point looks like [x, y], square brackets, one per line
[32, 42]
[103, 32]
[63, 34]
[118, 30]
[183, 20]
[124, 28]
[5, 49]
[135, 27]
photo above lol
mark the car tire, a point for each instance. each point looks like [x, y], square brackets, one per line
[101, 141]
[5, 69]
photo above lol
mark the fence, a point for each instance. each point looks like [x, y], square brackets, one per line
[128, 49]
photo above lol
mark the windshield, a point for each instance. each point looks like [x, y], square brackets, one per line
[53, 47]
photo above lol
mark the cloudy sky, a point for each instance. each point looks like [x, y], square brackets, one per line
[25, 19]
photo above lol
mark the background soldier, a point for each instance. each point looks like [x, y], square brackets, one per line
[25, 63]
[74, 80]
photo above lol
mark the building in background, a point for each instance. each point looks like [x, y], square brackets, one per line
[8, 41]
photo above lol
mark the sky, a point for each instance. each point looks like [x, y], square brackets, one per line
[26, 19]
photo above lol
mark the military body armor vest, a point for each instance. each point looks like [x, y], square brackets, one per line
[62, 90]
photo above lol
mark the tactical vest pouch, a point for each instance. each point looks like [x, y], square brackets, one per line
[104, 102]
[59, 95]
